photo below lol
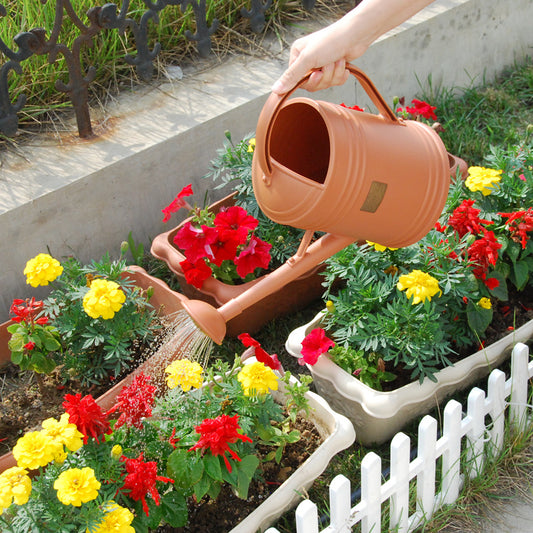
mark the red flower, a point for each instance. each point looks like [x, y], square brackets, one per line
[217, 434]
[354, 107]
[234, 223]
[195, 242]
[224, 250]
[196, 273]
[491, 283]
[134, 402]
[172, 439]
[25, 310]
[255, 255]
[260, 354]
[465, 219]
[29, 346]
[439, 227]
[314, 345]
[177, 203]
[141, 480]
[519, 224]
[42, 321]
[484, 252]
[87, 415]
[423, 109]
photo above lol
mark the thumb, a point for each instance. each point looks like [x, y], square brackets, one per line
[290, 78]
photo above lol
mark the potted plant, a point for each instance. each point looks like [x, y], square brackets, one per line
[68, 349]
[426, 308]
[152, 460]
[233, 263]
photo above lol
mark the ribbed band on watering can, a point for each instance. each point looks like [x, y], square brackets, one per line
[320, 166]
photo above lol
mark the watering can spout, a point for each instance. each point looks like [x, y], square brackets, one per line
[207, 319]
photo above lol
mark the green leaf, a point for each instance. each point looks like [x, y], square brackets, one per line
[174, 508]
[212, 467]
[521, 274]
[16, 342]
[478, 318]
[499, 292]
[201, 488]
[51, 344]
[245, 473]
[17, 357]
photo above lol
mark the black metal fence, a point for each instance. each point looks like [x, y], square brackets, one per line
[102, 18]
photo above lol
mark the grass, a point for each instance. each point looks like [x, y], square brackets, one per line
[109, 47]
[475, 118]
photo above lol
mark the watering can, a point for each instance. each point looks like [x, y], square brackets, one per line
[356, 176]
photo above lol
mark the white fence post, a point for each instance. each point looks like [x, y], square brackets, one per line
[451, 457]
[340, 504]
[425, 482]
[496, 396]
[399, 476]
[307, 517]
[371, 493]
[519, 383]
[474, 436]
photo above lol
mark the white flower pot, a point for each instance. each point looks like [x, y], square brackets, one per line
[378, 416]
[337, 433]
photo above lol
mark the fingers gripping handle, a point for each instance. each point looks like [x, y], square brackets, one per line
[275, 101]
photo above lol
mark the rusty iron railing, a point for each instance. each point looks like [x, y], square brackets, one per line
[102, 18]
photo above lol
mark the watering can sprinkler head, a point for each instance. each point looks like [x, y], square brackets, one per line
[206, 318]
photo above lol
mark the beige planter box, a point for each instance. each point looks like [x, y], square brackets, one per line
[378, 416]
[338, 434]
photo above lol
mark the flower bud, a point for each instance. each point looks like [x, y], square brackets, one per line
[116, 451]
[124, 247]
[330, 306]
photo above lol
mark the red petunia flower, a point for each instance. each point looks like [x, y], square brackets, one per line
[484, 252]
[255, 255]
[234, 223]
[465, 219]
[217, 434]
[260, 354]
[87, 415]
[314, 345]
[196, 242]
[354, 107]
[196, 273]
[224, 250]
[423, 109]
[141, 479]
[519, 224]
[177, 203]
[134, 402]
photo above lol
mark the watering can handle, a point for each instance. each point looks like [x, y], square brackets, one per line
[275, 101]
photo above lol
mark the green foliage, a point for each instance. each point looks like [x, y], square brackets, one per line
[40, 358]
[233, 167]
[93, 348]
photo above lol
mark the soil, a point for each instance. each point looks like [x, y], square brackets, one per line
[227, 511]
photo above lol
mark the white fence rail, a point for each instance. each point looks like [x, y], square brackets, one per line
[438, 462]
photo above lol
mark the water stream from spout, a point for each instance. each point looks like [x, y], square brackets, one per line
[181, 339]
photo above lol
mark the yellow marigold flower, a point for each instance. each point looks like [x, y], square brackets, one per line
[380, 247]
[116, 520]
[35, 449]
[15, 486]
[419, 285]
[116, 451]
[482, 179]
[76, 486]
[104, 299]
[64, 432]
[251, 144]
[184, 373]
[42, 269]
[257, 378]
[485, 303]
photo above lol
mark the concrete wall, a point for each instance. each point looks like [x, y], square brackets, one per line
[83, 197]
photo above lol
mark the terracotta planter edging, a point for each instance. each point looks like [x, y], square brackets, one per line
[164, 300]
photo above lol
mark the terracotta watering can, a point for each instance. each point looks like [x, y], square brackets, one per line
[356, 176]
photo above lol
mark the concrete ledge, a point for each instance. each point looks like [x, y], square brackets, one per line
[83, 197]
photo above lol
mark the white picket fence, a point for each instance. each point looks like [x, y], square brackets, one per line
[462, 434]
